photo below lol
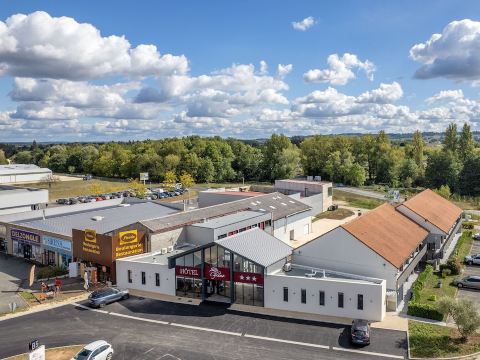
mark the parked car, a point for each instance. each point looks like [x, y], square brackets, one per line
[102, 297]
[98, 198]
[360, 332]
[73, 201]
[91, 199]
[62, 201]
[476, 236]
[472, 259]
[87, 177]
[468, 281]
[98, 350]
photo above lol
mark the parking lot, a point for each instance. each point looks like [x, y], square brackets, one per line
[12, 272]
[472, 294]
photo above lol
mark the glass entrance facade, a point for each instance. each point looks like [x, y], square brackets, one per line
[217, 274]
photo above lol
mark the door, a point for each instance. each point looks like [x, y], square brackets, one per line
[27, 251]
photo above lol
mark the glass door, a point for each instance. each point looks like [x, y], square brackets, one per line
[27, 251]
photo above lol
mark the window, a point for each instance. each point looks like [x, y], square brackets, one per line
[285, 294]
[157, 279]
[304, 296]
[321, 296]
[143, 278]
[129, 275]
[330, 191]
[360, 302]
[340, 300]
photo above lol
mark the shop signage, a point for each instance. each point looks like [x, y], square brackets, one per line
[128, 244]
[248, 278]
[128, 237]
[21, 235]
[57, 243]
[90, 236]
[216, 273]
[187, 271]
[90, 242]
[37, 354]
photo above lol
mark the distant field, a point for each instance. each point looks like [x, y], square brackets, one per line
[355, 200]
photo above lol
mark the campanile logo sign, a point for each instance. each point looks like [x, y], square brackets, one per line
[217, 273]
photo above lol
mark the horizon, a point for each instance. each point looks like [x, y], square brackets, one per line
[69, 74]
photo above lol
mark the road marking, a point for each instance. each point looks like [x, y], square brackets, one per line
[206, 329]
[89, 308]
[287, 341]
[139, 318]
[368, 353]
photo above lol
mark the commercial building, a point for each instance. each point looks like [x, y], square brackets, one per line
[23, 173]
[382, 243]
[311, 191]
[55, 236]
[438, 216]
[213, 197]
[15, 199]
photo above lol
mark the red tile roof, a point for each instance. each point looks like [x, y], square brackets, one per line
[387, 232]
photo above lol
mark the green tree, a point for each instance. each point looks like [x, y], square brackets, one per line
[3, 158]
[442, 169]
[450, 142]
[281, 159]
[170, 178]
[23, 157]
[206, 171]
[463, 312]
[465, 143]
[355, 175]
[58, 162]
[468, 179]
[418, 146]
[444, 191]
[409, 172]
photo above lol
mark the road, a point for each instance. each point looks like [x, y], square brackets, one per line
[472, 294]
[151, 329]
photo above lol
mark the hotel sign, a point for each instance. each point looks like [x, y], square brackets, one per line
[216, 273]
[248, 278]
[22, 235]
[188, 271]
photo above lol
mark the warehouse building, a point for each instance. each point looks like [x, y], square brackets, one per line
[15, 199]
[23, 173]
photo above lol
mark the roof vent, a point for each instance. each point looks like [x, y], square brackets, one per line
[97, 218]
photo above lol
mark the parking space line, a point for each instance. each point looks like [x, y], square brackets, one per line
[287, 341]
[89, 308]
[206, 329]
[368, 353]
[139, 318]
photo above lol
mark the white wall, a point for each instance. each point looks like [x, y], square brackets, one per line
[14, 201]
[373, 296]
[339, 251]
[166, 239]
[167, 276]
[296, 223]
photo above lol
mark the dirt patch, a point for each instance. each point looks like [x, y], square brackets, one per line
[63, 353]
[338, 214]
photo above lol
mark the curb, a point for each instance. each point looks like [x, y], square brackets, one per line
[471, 356]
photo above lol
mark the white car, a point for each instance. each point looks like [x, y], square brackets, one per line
[97, 350]
[473, 259]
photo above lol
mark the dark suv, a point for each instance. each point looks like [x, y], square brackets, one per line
[360, 333]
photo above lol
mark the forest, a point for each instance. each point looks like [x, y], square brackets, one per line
[351, 160]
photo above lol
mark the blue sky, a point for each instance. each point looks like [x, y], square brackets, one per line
[218, 93]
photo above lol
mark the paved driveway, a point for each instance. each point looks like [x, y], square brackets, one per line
[471, 294]
[12, 272]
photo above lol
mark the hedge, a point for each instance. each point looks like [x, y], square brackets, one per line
[50, 272]
[468, 225]
[427, 311]
[420, 282]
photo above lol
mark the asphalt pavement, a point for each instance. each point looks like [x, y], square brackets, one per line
[151, 329]
[471, 294]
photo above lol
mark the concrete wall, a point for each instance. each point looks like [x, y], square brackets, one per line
[166, 239]
[373, 296]
[167, 276]
[315, 202]
[14, 201]
[339, 251]
[24, 178]
[296, 223]
[312, 193]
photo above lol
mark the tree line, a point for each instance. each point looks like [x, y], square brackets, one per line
[351, 160]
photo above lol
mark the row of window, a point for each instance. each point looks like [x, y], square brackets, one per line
[144, 278]
[321, 298]
[261, 225]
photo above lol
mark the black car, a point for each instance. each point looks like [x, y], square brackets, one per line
[360, 332]
[63, 201]
[72, 201]
[87, 177]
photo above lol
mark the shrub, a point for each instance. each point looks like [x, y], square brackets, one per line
[427, 311]
[468, 225]
[51, 271]
[420, 282]
[432, 298]
[446, 272]
[463, 312]
[454, 265]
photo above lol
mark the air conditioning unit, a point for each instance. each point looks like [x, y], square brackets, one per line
[170, 249]
[287, 267]
[164, 251]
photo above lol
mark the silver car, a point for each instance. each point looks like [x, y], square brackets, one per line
[102, 297]
[468, 282]
[472, 259]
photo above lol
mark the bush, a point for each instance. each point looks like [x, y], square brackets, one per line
[468, 225]
[463, 312]
[446, 272]
[51, 271]
[420, 282]
[454, 265]
[432, 298]
[427, 311]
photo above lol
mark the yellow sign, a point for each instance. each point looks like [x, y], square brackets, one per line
[128, 237]
[90, 236]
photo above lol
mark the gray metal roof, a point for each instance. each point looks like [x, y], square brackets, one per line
[14, 169]
[257, 245]
[112, 218]
[230, 219]
[278, 204]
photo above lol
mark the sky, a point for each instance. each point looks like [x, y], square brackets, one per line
[124, 70]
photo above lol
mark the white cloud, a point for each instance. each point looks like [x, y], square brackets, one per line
[41, 46]
[445, 95]
[340, 70]
[263, 67]
[386, 93]
[453, 54]
[284, 70]
[305, 24]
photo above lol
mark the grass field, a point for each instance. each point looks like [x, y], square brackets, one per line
[355, 200]
[338, 214]
[434, 341]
